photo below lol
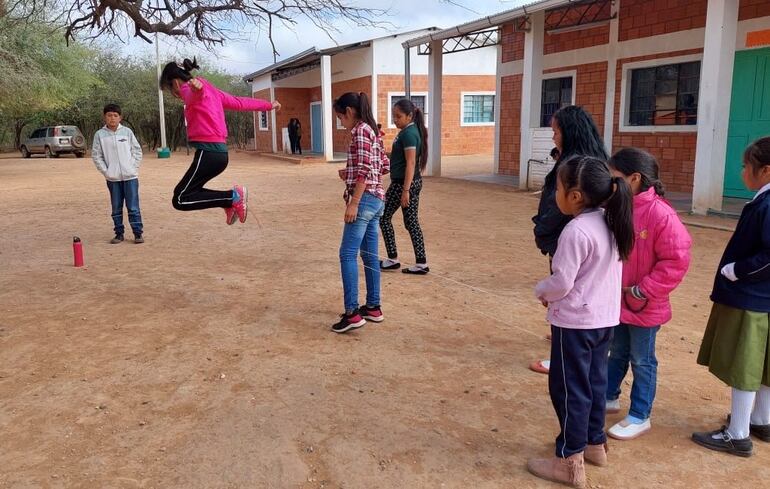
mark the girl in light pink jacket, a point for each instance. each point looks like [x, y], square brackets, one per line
[656, 266]
[204, 111]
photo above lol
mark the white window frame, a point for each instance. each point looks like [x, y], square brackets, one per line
[403, 95]
[462, 109]
[266, 127]
[625, 94]
[550, 76]
[340, 127]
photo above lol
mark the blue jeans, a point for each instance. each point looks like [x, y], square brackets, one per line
[634, 345]
[362, 236]
[128, 192]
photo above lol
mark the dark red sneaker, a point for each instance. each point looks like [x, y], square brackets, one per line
[373, 313]
[348, 322]
[230, 215]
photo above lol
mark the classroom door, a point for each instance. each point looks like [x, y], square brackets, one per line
[749, 114]
[316, 128]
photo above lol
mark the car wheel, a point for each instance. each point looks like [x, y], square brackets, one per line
[49, 153]
[78, 141]
[25, 152]
[80, 155]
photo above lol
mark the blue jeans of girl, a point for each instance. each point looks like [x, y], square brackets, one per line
[361, 236]
[635, 346]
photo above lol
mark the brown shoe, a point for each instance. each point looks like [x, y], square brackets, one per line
[569, 471]
[596, 454]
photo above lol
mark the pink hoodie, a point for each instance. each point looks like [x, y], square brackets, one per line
[658, 262]
[205, 111]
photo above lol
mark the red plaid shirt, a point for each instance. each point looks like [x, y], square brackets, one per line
[367, 162]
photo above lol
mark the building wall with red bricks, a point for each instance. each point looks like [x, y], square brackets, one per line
[675, 151]
[456, 139]
[590, 88]
[263, 139]
[510, 125]
[295, 103]
[567, 41]
[751, 9]
[645, 18]
[512, 42]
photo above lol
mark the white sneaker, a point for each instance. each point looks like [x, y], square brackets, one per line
[613, 407]
[625, 430]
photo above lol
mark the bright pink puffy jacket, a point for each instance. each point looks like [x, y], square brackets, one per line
[658, 262]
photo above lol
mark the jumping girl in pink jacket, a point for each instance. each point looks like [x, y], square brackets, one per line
[655, 267]
[204, 111]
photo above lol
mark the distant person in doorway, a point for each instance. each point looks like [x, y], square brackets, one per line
[295, 135]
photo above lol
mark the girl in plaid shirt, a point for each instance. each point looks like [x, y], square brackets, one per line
[365, 201]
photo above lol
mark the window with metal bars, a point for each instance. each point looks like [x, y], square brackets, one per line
[478, 109]
[557, 93]
[665, 95]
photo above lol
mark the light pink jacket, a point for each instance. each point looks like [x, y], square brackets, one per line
[204, 111]
[584, 290]
[658, 262]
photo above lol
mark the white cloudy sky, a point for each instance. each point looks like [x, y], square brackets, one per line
[252, 51]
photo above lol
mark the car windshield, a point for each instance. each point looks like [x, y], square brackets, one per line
[69, 131]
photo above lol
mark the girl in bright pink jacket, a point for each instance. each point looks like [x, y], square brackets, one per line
[204, 111]
[656, 266]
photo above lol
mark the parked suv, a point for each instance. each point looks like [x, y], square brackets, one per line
[53, 141]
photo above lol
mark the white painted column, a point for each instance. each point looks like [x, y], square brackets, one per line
[272, 121]
[531, 89]
[714, 104]
[374, 98]
[326, 107]
[609, 90]
[498, 102]
[435, 95]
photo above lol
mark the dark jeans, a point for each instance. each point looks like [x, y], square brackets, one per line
[128, 192]
[189, 194]
[634, 345]
[295, 144]
[577, 382]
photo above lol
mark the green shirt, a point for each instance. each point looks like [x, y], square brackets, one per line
[409, 137]
[210, 147]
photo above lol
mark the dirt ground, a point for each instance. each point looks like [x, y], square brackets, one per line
[203, 358]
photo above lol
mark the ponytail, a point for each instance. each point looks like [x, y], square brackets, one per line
[173, 71]
[618, 212]
[360, 104]
[593, 178]
[408, 108]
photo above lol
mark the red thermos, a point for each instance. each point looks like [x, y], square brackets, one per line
[77, 251]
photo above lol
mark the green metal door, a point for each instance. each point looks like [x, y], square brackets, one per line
[749, 114]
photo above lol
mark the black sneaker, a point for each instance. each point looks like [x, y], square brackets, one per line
[348, 322]
[720, 441]
[117, 239]
[759, 431]
[138, 239]
[373, 313]
[389, 264]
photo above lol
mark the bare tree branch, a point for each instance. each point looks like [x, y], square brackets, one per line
[203, 21]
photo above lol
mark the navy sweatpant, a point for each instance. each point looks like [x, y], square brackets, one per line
[577, 382]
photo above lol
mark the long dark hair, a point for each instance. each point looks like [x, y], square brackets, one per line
[592, 177]
[579, 134]
[757, 154]
[359, 102]
[173, 71]
[407, 107]
[634, 160]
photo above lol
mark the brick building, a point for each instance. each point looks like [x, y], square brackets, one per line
[686, 80]
[306, 85]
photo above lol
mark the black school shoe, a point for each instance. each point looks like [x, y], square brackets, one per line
[758, 431]
[720, 441]
[348, 322]
[138, 239]
[117, 239]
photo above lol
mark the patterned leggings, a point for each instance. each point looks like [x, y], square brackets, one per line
[412, 224]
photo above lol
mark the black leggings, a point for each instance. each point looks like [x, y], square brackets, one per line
[412, 224]
[189, 194]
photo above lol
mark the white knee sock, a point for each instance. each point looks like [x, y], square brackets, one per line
[740, 414]
[761, 413]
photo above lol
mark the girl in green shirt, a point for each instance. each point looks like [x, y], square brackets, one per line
[407, 161]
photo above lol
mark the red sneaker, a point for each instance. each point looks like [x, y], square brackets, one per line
[230, 215]
[371, 313]
[242, 206]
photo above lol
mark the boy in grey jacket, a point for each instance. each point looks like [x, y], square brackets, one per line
[117, 155]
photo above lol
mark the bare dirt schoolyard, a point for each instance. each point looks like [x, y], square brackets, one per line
[203, 358]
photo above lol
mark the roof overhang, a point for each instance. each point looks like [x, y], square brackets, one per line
[301, 62]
